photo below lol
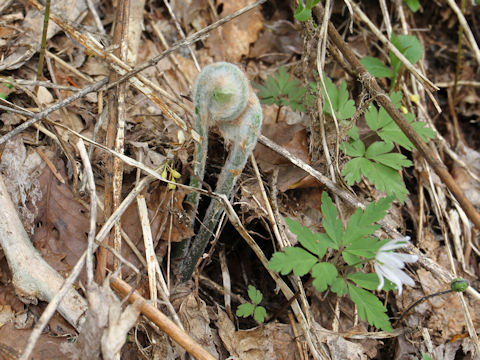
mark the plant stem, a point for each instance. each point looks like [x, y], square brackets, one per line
[43, 45]
[223, 97]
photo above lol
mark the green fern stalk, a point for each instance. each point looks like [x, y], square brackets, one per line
[224, 98]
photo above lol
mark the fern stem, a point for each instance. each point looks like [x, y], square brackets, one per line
[222, 97]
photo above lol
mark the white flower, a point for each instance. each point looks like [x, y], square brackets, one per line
[389, 264]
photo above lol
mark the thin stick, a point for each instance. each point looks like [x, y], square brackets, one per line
[149, 250]
[41, 115]
[93, 209]
[167, 325]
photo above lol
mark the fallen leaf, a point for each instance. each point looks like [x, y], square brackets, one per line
[232, 41]
[273, 341]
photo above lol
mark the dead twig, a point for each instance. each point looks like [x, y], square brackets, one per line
[41, 115]
[162, 321]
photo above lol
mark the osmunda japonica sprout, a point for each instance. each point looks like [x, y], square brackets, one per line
[222, 97]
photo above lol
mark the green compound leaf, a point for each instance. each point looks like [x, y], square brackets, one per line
[396, 98]
[324, 274]
[339, 286]
[362, 222]
[292, 258]
[380, 122]
[331, 223]
[365, 247]
[279, 89]
[355, 148]
[313, 242]
[260, 314]
[368, 281]
[343, 107]
[376, 67]
[409, 46]
[370, 308]
[254, 294]
[304, 13]
[379, 151]
[414, 5]
[245, 310]
[384, 178]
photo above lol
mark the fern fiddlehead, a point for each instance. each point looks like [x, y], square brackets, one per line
[222, 97]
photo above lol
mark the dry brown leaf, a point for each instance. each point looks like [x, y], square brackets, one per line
[292, 138]
[196, 321]
[29, 42]
[232, 41]
[273, 341]
[278, 41]
[47, 347]
[61, 223]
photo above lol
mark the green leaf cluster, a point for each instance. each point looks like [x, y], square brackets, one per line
[304, 13]
[414, 5]
[408, 45]
[279, 89]
[338, 99]
[354, 245]
[377, 162]
[245, 310]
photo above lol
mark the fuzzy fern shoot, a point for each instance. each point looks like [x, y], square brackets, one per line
[222, 97]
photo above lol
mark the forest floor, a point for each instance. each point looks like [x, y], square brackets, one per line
[60, 177]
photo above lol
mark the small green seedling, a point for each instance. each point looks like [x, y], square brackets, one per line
[248, 309]
[170, 174]
[425, 356]
[408, 45]
[414, 5]
[304, 13]
[279, 89]
[5, 90]
[342, 105]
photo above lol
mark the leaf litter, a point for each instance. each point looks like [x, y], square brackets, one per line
[265, 41]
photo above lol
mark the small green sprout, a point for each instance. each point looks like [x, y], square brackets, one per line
[414, 5]
[304, 13]
[279, 89]
[170, 174]
[245, 310]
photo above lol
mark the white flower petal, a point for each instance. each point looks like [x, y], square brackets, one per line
[379, 272]
[391, 274]
[407, 258]
[389, 264]
[390, 259]
[395, 244]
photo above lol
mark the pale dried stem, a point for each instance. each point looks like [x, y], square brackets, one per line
[93, 210]
[468, 32]
[150, 256]
[227, 283]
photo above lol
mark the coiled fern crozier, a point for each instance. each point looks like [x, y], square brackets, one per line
[222, 97]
